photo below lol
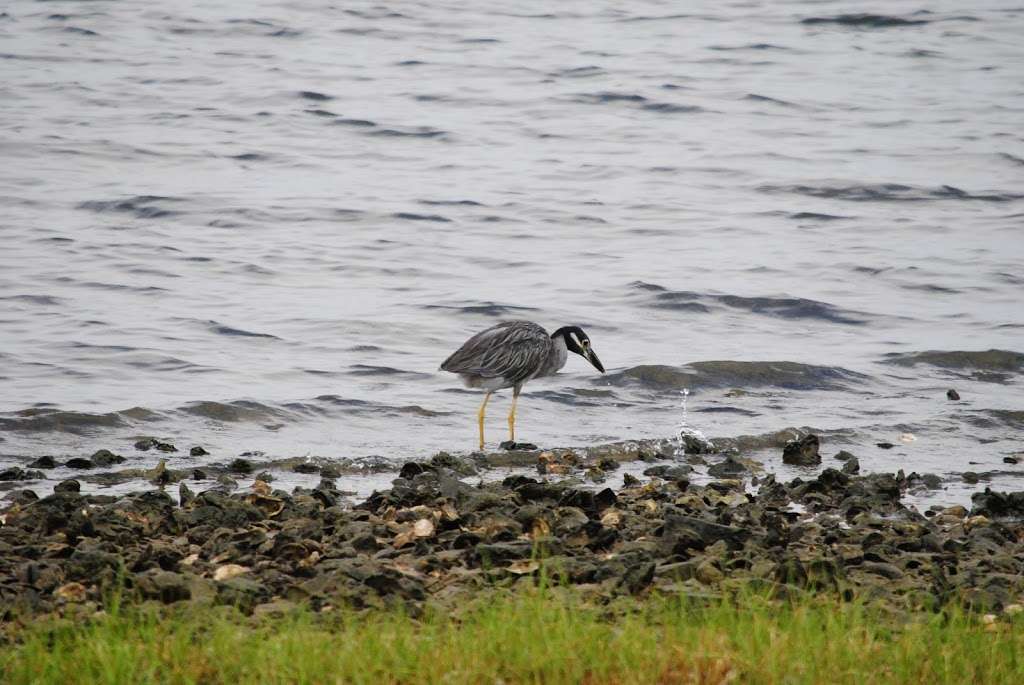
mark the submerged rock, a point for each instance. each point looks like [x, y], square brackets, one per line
[952, 395]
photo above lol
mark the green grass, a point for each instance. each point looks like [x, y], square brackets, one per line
[540, 636]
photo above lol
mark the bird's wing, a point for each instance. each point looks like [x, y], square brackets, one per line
[514, 350]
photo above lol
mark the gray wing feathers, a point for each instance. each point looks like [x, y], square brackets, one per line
[515, 350]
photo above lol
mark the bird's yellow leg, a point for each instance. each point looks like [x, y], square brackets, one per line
[512, 418]
[480, 417]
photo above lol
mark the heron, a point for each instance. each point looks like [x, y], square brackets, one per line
[510, 354]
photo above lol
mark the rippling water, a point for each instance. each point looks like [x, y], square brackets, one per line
[264, 225]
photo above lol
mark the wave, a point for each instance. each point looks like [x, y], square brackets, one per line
[142, 206]
[728, 374]
[983, 360]
[50, 419]
[888, 192]
[782, 307]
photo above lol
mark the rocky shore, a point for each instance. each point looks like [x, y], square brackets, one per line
[441, 532]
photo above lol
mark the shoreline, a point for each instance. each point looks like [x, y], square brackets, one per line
[433, 537]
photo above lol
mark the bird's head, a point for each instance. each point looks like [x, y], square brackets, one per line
[577, 340]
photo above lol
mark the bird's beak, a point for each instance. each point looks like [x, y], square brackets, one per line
[588, 353]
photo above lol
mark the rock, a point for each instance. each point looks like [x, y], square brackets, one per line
[608, 464]
[1010, 460]
[970, 477]
[16, 473]
[67, 486]
[510, 446]
[708, 573]
[185, 496]
[228, 571]
[696, 444]
[71, 592]
[885, 445]
[728, 468]
[227, 481]
[164, 586]
[669, 472]
[330, 471]
[843, 455]
[952, 395]
[802, 452]
[152, 443]
[78, 463]
[991, 503]
[240, 465]
[44, 462]
[199, 474]
[160, 475]
[197, 451]
[852, 466]
[629, 481]
[956, 510]
[306, 467]
[106, 458]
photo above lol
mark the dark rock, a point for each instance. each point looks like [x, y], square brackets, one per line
[669, 472]
[44, 462]
[1010, 460]
[852, 466]
[240, 465]
[305, 467]
[608, 464]
[970, 477]
[67, 486]
[16, 473]
[629, 480]
[695, 444]
[198, 451]
[78, 463]
[517, 446]
[22, 497]
[885, 445]
[199, 474]
[729, 468]
[265, 476]
[952, 395]
[843, 455]
[106, 458]
[802, 452]
[330, 471]
[164, 586]
[990, 503]
[681, 532]
[185, 496]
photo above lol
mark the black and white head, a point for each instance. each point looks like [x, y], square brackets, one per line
[577, 340]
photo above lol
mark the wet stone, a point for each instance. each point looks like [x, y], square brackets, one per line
[106, 458]
[44, 462]
[952, 395]
[79, 463]
[67, 486]
[198, 451]
[306, 467]
[852, 466]
[16, 473]
[802, 452]
[240, 465]
[843, 455]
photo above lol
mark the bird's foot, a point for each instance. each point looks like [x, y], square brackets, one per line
[511, 445]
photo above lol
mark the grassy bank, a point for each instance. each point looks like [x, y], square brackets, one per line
[541, 636]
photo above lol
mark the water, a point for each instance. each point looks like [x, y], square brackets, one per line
[264, 225]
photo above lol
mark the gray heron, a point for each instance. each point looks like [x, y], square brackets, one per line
[510, 354]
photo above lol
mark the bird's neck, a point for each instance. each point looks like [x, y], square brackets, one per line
[559, 355]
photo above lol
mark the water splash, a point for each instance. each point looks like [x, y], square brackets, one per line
[690, 440]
